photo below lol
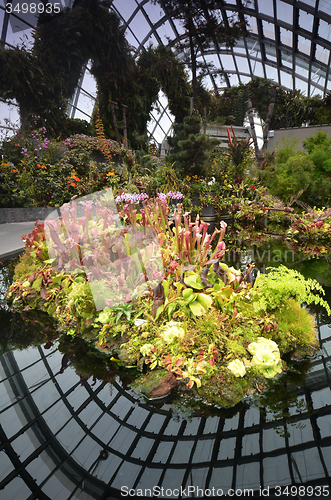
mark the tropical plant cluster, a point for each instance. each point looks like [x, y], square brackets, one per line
[37, 171]
[219, 334]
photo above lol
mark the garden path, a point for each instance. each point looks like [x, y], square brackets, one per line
[11, 243]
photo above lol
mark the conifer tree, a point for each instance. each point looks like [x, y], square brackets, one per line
[190, 148]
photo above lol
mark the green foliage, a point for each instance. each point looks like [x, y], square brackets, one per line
[281, 283]
[296, 171]
[160, 69]
[190, 148]
[292, 108]
[205, 323]
[37, 171]
[79, 300]
[295, 327]
[200, 31]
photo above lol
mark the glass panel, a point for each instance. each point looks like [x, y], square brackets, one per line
[154, 12]
[275, 470]
[312, 3]
[325, 6]
[27, 357]
[318, 76]
[5, 465]
[324, 30]
[222, 477]
[271, 53]
[165, 31]
[16, 489]
[140, 26]
[301, 434]
[286, 37]
[303, 86]
[142, 448]
[243, 79]
[266, 7]
[123, 8]
[306, 465]
[203, 451]
[24, 17]
[182, 452]
[248, 476]
[45, 396]
[327, 456]
[226, 449]
[252, 24]
[301, 71]
[322, 54]
[271, 73]
[304, 45]
[284, 12]
[315, 91]
[286, 80]
[131, 38]
[250, 444]
[70, 435]
[287, 59]
[227, 62]
[126, 475]
[257, 69]
[306, 21]
[87, 452]
[268, 30]
[239, 50]
[242, 64]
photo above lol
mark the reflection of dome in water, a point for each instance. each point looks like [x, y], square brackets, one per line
[61, 439]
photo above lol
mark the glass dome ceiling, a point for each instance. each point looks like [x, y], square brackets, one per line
[289, 42]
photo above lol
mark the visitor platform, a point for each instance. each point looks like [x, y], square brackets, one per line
[11, 243]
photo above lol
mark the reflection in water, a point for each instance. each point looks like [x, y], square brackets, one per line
[65, 434]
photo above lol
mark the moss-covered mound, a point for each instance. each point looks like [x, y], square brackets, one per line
[206, 323]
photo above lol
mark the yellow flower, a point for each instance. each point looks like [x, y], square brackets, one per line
[237, 367]
[172, 331]
[146, 349]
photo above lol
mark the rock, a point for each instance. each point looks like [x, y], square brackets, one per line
[156, 384]
[221, 392]
[127, 358]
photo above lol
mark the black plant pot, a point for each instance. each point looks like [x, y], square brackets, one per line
[208, 211]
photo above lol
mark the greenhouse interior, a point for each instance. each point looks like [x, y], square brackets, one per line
[165, 274]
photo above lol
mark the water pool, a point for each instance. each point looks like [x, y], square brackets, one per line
[64, 437]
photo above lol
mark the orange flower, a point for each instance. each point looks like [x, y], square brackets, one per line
[73, 184]
[75, 178]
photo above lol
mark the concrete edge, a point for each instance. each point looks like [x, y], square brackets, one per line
[26, 214]
[12, 254]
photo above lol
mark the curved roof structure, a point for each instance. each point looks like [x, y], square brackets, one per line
[289, 42]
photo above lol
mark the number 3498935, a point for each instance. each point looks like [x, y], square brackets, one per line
[33, 8]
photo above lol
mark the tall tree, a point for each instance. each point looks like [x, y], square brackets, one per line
[203, 26]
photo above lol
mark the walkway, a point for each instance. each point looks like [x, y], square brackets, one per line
[11, 243]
